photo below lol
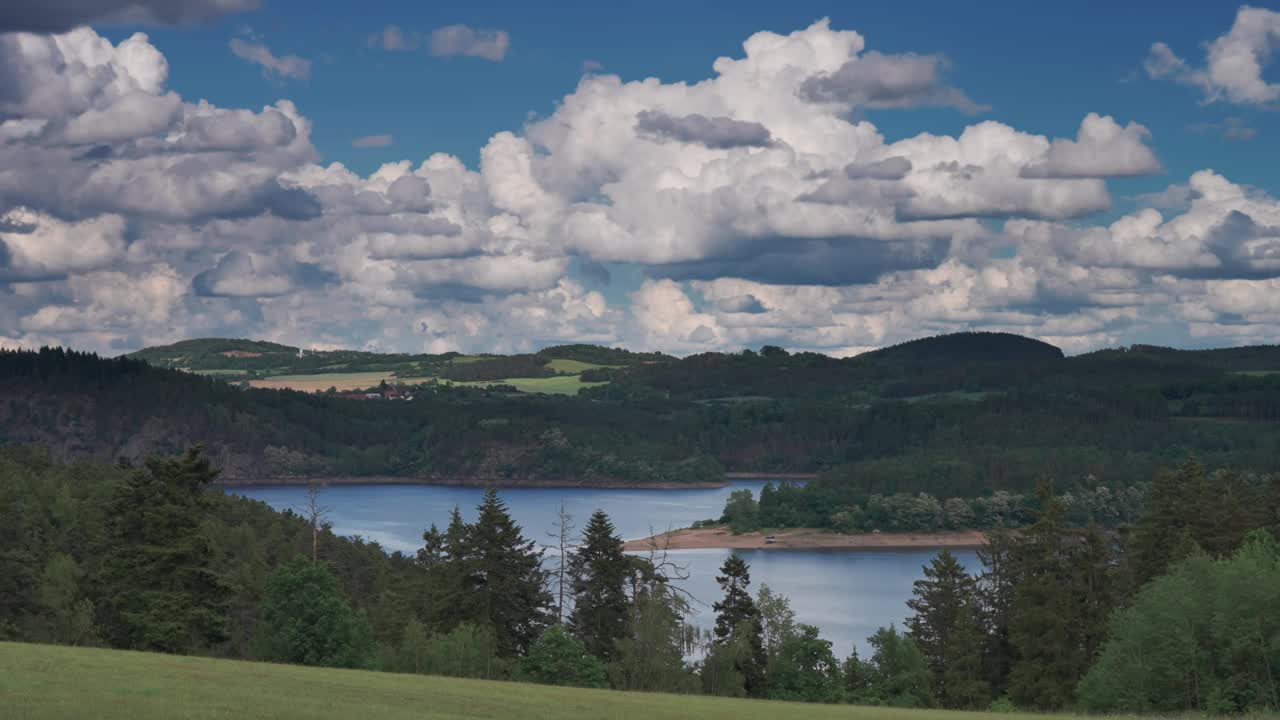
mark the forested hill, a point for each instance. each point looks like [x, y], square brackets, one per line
[960, 414]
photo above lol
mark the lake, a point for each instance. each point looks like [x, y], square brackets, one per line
[846, 593]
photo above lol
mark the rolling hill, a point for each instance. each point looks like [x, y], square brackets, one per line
[998, 410]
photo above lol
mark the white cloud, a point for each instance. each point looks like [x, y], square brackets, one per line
[470, 42]
[284, 66]
[1234, 62]
[756, 211]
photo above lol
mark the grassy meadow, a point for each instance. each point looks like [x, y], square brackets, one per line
[324, 381]
[47, 681]
[558, 385]
[567, 366]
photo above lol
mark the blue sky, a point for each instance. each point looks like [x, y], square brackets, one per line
[682, 233]
[1037, 70]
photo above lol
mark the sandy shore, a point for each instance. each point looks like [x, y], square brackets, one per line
[803, 538]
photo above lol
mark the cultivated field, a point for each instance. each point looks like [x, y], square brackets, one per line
[564, 365]
[39, 682]
[323, 381]
[558, 385]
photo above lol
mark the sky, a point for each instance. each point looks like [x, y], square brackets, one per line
[691, 177]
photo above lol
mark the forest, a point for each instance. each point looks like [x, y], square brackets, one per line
[1061, 615]
[965, 416]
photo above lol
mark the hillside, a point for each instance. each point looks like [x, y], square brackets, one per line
[39, 682]
[275, 366]
[955, 415]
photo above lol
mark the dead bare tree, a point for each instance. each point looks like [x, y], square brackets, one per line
[562, 534]
[315, 512]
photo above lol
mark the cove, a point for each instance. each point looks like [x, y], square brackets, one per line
[846, 593]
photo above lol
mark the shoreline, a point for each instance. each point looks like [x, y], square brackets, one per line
[500, 483]
[504, 483]
[719, 538]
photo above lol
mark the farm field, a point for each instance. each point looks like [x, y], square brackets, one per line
[323, 381]
[559, 385]
[40, 682]
[565, 365]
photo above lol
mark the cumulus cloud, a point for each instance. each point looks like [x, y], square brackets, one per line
[1234, 62]
[890, 168]
[236, 275]
[1102, 148]
[372, 141]
[52, 16]
[714, 132]
[470, 42]
[875, 80]
[755, 205]
[285, 66]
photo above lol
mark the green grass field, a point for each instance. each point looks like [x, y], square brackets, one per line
[573, 367]
[558, 385]
[323, 381]
[47, 681]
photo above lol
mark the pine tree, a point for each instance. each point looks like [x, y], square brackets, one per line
[446, 558]
[963, 682]
[1094, 589]
[939, 598]
[161, 592]
[1043, 619]
[599, 571]
[506, 585]
[1162, 533]
[737, 615]
[996, 588]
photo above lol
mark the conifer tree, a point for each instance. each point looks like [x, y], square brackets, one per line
[738, 623]
[963, 683]
[938, 599]
[446, 558]
[1044, 615]
[995, 591]
[506, 587]
[160, 590]
[599, 570]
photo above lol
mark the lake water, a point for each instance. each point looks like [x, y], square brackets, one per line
[846, 593]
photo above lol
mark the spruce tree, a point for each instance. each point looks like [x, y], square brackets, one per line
[964, 685]
[157, 581]
[939, 598]
[1163, 535]
[446, 558]
[1043, 620]
[995, 591]
[506, 587]
[599, 572]
[737, 615]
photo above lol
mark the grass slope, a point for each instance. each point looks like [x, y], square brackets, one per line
[46, 681]
[558, 385]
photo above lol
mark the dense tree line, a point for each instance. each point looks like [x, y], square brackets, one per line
[959, 416]
[1058, 616]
